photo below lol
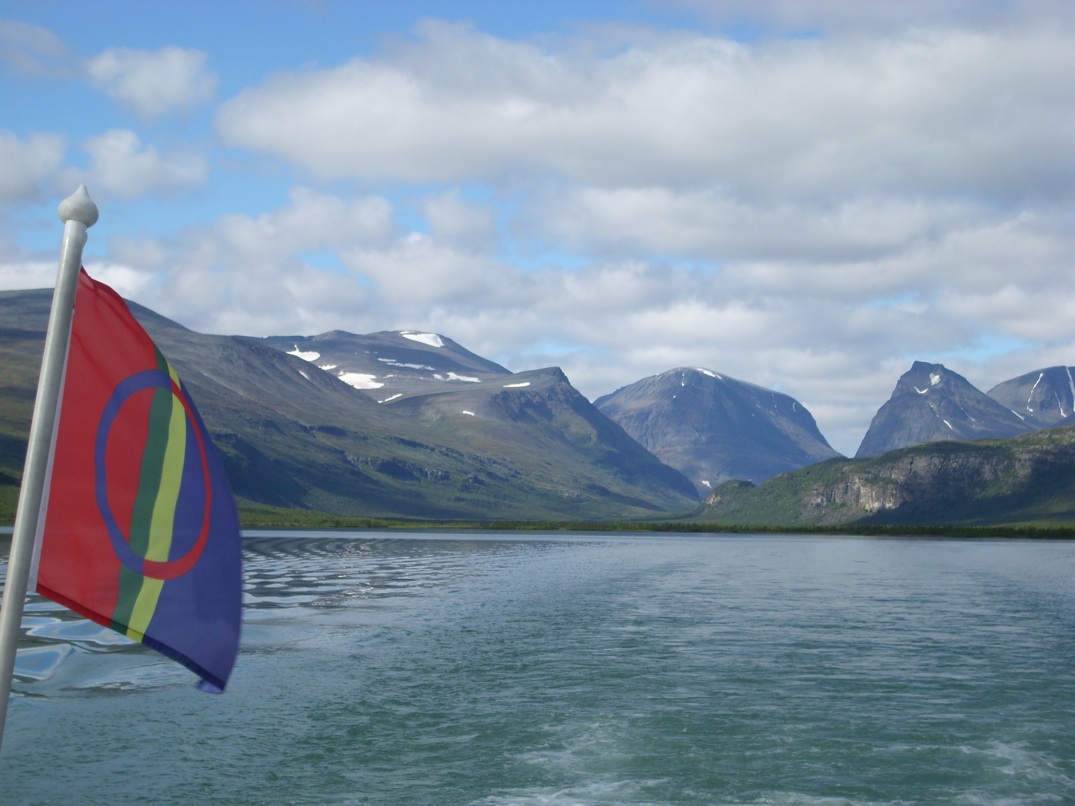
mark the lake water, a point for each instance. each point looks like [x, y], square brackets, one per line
[383, 668]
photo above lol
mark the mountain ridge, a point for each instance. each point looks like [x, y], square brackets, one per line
[390, 364]
[291, 435]
[1043, 397]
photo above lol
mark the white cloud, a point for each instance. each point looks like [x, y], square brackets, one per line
[154, 83]
[34, 51]
[940, 112]
[457, 220]
[22, 275]
[311, 221]
[29, 164]
[120, 163]
[261, 282]
[840, 15]
[1016, 311]
[712, 224]
[420, 271]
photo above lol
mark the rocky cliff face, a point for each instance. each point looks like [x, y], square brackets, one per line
[949, 482]
[909, 481]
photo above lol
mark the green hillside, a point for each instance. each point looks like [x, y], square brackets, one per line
[1027, 480]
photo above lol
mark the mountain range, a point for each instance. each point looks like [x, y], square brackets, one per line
[411, 424]
[525, 446]
[931, 403]
[938, 452]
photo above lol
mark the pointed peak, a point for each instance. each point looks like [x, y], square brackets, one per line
[923, 377]
[925, 366]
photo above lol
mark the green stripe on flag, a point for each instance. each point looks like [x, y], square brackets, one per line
[154, 510]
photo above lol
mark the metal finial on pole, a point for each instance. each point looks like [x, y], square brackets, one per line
[79, 207]
[78, 212]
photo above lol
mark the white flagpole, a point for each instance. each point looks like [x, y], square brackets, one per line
[78, 212]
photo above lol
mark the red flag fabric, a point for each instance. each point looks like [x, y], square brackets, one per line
[139, 530]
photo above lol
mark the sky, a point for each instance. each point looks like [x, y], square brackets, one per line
[805, 196]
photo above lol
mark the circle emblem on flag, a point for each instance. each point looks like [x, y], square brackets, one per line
[156, 569]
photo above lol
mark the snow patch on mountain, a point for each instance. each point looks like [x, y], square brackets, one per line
[304, 355]
[516, 385]
[1059, 400]
[1032, 390]
[432, 339]
[360, 380]
[454, 377]
[393, 363]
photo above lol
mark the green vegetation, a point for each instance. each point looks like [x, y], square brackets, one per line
[262, 517]
[9, 497]
[257, 517]
[254, 516]
[1022, 483]
[687, 527]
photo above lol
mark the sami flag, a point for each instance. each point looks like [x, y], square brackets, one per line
[138, 530]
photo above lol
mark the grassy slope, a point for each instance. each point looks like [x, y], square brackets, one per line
[1025, 481]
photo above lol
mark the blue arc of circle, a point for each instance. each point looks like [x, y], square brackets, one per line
[139, 382]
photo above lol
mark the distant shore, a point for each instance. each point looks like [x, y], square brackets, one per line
[273, 518]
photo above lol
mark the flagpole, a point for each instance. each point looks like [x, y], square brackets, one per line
[78, 212]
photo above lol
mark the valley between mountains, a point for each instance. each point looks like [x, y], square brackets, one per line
[411, 425]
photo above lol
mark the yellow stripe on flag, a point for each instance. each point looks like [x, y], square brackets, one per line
[163, 520]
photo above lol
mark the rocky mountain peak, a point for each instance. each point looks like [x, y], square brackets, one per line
[932, 403]
[1042, 398]
[714, 428]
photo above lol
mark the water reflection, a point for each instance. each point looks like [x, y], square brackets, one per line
[336, 571]
[315, 572]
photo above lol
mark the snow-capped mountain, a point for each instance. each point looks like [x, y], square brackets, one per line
[931, 403]
[526, 447]
[714, 428]
[1042, 398]
[392, 364]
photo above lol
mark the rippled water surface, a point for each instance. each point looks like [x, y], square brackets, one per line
[580, 669]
